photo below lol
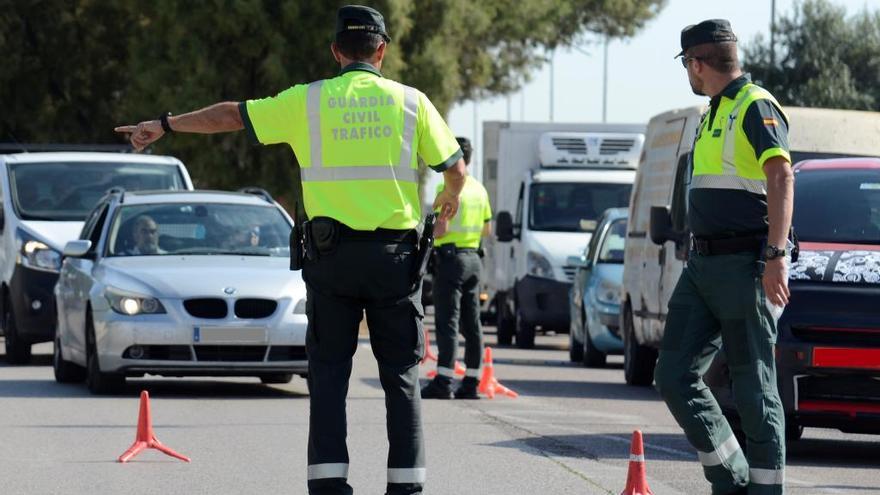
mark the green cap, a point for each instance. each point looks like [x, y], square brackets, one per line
[360, 18]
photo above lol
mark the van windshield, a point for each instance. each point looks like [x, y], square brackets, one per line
[560, 207]
[837, 206]
[60, 191]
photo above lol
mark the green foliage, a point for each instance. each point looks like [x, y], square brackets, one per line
[823, 58]
[73, 69]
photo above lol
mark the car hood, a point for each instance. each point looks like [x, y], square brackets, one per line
[54, 234]
[837, 263]
[203, 276]
[558, 246]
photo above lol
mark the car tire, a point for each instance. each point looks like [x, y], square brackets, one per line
[575, 348]
[592, 357]
[276, 378]
[17, 350]
[638, 360]
[65, 371]
[506, 324]
[99, 382]
[525, 333]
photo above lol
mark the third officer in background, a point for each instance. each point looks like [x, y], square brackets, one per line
[456, 288]
[735, 282]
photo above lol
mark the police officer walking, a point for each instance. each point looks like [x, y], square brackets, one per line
[456, 288]
[735, 282]
[357, 137]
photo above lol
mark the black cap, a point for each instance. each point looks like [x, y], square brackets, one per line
[711, 31]
[360, 18]
[466, 148]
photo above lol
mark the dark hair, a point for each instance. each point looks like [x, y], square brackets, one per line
[358, 45]
[722, 57]
[466, 149]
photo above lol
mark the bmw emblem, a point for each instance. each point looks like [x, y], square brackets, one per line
[229, 291]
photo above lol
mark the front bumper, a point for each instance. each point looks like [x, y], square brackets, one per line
[603, 322]
[176, 344]
[33, 301]
[544, 302]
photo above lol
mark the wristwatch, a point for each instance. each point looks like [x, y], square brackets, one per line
[772, 252]
[163, 119]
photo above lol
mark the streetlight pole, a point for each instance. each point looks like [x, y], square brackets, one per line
[772, 33]
[605, 85]
[552, 84]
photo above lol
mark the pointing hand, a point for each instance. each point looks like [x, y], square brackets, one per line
[143, 134]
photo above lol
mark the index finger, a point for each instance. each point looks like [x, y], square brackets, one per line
[126, 129]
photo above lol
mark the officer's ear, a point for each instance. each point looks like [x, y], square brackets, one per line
[380, 51]
[335, 51]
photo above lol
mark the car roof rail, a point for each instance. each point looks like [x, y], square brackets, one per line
[117, 190]
[39, 147]
[258, 191]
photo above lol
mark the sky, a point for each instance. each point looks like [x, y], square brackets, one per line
[643, 78]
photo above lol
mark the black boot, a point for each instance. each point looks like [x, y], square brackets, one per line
[467, 389]
[438, 388]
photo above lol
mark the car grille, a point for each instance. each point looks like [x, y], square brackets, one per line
[849, 387]
[161, 352]
[230, 353]
[287, 353]
[569, 272]
[255, 308]
[208, 307]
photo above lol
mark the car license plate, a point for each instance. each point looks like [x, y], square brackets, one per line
[229, 335]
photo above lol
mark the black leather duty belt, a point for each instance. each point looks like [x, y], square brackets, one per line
[729, 245]
[410, 236]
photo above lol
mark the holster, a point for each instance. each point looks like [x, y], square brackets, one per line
[321, 237]
[426, 246]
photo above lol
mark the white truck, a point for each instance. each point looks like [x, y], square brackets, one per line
[548, 184]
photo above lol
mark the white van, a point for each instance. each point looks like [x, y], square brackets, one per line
[659, 202]
[44, 199]
[549, 183]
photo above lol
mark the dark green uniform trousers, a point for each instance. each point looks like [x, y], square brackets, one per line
[456, 294]
[373, 277]
[719, 300]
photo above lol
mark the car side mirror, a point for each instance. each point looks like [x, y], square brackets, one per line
[77, 249]
[661, 225]
[504, 226]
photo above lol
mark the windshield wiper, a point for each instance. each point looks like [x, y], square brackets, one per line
[217, 252]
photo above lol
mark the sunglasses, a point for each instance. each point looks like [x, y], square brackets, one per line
[686, 59]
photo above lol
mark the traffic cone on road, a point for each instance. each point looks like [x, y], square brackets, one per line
[636, 483]
[429, 354]
[145, 438]
[489, 385]
[460, 370]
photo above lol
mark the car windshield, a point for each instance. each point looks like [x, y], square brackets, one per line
[199, 229]
[68, 191]
[562, 206]
[838, 206]
[611, 250]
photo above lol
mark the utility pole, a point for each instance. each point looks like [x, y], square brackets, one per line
[772, 33]
[605, 85]
[509, 117]
[552, 84]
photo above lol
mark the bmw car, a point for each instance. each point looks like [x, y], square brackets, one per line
[192, 283]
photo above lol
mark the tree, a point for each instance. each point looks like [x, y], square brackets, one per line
[824, 58]
[77, 68]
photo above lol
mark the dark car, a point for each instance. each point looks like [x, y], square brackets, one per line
[828, 348]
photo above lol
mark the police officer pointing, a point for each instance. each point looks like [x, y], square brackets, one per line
[457, 289]
[735, 281]
[357, 137]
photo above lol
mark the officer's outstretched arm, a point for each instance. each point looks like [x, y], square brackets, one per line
[220, 117]
[448, 199]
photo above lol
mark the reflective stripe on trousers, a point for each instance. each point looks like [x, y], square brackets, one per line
[330, 470]
[721, 453]
[766, 476]
[407, 475]
[403, 172]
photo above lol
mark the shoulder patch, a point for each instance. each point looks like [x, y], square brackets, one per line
[771, 121]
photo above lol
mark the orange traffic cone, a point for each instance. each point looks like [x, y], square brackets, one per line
[490, 385]
[429, 354]
[459, 371]
[145, 438]
[636, 483]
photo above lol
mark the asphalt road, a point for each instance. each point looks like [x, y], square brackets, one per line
[567, 433]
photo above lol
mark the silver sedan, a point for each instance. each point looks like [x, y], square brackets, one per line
[180, 284]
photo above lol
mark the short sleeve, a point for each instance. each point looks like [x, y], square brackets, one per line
[272, 120]
[437, 145]
[487, 208]
[767, 129]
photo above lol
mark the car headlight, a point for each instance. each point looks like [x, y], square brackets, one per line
[37, 255]
[131, 304]
[300, 307]
[608, 293]
[537, 265]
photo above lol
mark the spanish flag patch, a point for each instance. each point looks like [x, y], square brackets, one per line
[771, 121]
